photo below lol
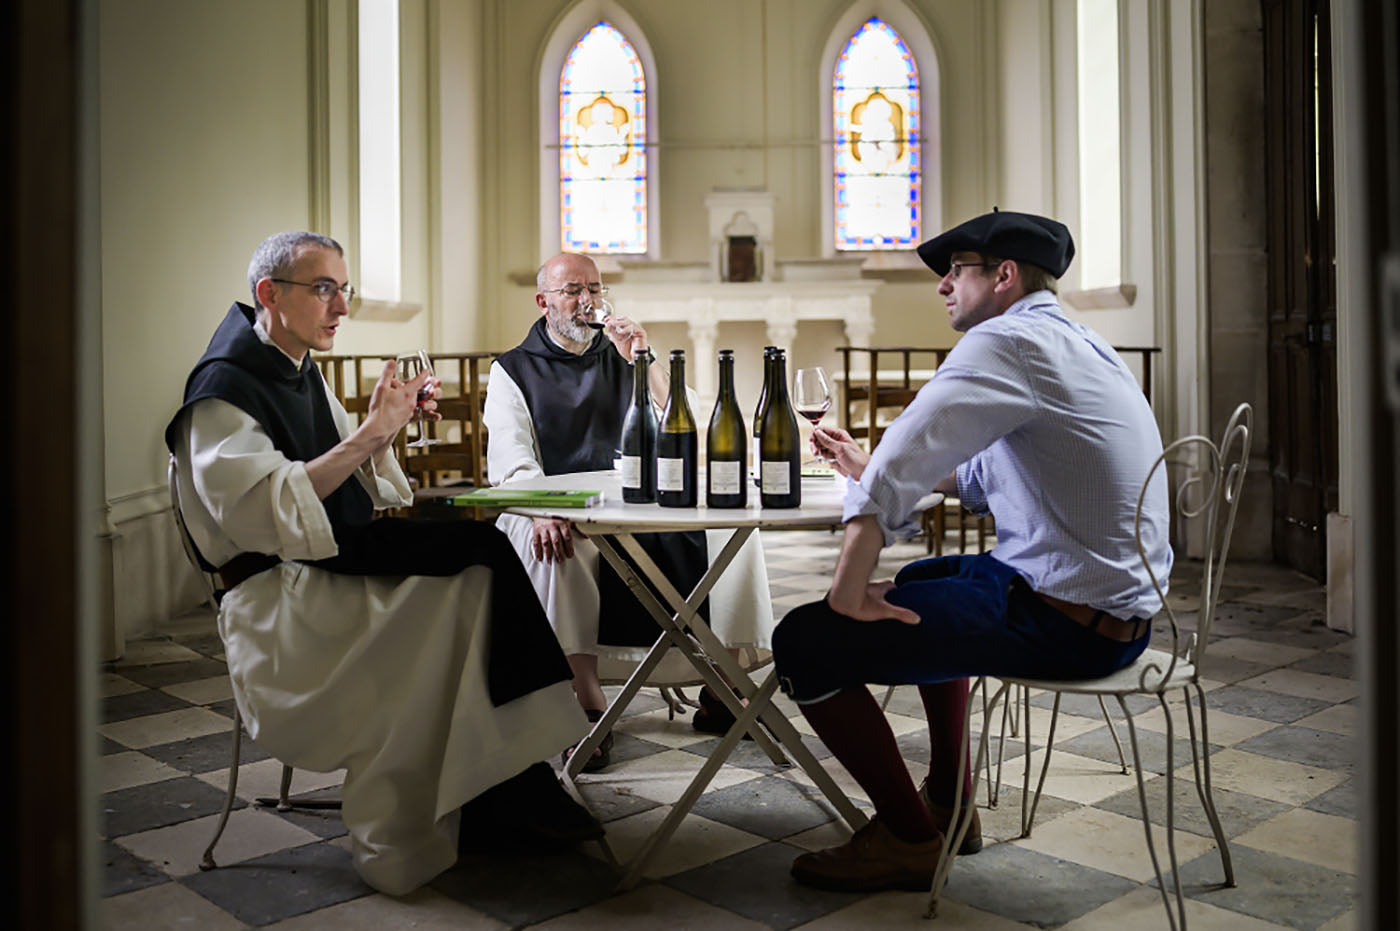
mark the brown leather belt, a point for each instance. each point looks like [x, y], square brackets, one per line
[1101, 622]
[244, 566]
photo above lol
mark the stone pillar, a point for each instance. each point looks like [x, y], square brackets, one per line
[782, 324]
[702, 331]
[860, 324]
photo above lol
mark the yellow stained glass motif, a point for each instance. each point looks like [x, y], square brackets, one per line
[877, 161]
[602, 145]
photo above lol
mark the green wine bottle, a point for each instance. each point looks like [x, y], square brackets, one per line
[758, 411]
[639, 438]
[678, 445]
[780, 468]
[724, 446]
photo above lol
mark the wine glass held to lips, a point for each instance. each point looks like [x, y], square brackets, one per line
[600, 311]
[410, 364]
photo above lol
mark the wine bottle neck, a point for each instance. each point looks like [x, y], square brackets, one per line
[778, 377]
[641, 388]
[726, 378]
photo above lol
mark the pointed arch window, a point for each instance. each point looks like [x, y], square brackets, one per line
[602, 145]
[877, 160]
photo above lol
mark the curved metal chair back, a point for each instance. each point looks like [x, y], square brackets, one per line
[1208, 491]
[1209, 480]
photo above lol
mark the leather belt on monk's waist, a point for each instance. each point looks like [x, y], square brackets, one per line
[1101, 622]
[243, 566]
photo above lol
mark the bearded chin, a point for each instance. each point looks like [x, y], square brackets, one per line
[568, 328]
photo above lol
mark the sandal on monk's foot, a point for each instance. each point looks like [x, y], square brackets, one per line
[602, 757]
[713, 716]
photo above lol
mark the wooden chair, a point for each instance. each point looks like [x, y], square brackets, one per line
[1206, 486]
[460, 456]
[283, 802]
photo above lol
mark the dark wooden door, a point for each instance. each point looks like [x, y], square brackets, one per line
[1301, 279]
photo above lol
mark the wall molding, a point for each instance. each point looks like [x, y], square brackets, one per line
[134, 505]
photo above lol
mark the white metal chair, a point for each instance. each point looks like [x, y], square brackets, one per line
[212, 592]
[1208, 489]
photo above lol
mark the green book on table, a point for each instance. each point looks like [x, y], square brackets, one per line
[527, 498]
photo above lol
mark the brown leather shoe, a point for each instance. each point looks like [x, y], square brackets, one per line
[943, 818]
[872, 860]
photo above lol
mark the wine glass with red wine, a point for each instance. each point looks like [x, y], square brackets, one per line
[811, 393]
[409, 365]
[600, 310]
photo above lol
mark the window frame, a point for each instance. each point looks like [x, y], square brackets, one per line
[918, 38]
[571, 26]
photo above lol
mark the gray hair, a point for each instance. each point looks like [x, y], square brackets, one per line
[277, 255]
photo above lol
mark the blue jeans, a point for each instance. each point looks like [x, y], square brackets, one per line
[979, 617]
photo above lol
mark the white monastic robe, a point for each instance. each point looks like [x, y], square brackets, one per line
[741, 610]
[382, 676]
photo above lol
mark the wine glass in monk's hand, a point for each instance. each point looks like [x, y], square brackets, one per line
[410, 364]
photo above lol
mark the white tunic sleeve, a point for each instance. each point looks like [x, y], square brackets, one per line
[512, 452]
[253, 498]
[262, 501]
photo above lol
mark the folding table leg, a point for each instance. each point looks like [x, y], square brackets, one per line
[716, 653]
[697, 786]
[711, 654]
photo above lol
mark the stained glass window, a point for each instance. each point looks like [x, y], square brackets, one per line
[875, 95]
[602, 145]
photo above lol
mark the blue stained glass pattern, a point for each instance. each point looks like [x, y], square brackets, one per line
[877, 163]
[602, 145]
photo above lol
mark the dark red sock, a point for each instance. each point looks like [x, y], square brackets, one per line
[852, 726]
[945, 706]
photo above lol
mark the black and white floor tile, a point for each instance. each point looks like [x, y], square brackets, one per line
[1283, 717]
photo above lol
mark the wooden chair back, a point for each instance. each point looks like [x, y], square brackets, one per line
[460, 456]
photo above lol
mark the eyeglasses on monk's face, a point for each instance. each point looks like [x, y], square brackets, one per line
[324, 289]
[573, 289]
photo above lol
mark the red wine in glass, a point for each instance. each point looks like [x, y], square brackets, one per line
[815, 414]
[410, 364]
[811, 393]
[601, 309]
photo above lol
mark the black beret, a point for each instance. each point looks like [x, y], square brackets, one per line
[1004, 234]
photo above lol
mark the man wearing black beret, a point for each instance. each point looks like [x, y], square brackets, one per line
[1034, 419]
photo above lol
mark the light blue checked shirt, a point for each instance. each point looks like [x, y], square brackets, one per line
[1050, 432]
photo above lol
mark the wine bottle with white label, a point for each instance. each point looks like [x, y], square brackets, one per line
[639, 438]
[677, 445]
[724, 446]
[780, 468]
[758, 411]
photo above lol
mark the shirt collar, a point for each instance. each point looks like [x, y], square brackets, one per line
[1041, 299]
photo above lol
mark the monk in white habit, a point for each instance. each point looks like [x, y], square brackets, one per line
[413, 654]
[555, 404]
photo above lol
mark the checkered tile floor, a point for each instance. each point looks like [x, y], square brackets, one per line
[1282, 718]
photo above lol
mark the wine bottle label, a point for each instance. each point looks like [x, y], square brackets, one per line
[726, 477]
[777, 478]
[757, 458]
[670, 474]
[631, 471]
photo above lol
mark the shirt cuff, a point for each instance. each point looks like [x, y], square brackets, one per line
[857, 503]
[970, 494]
